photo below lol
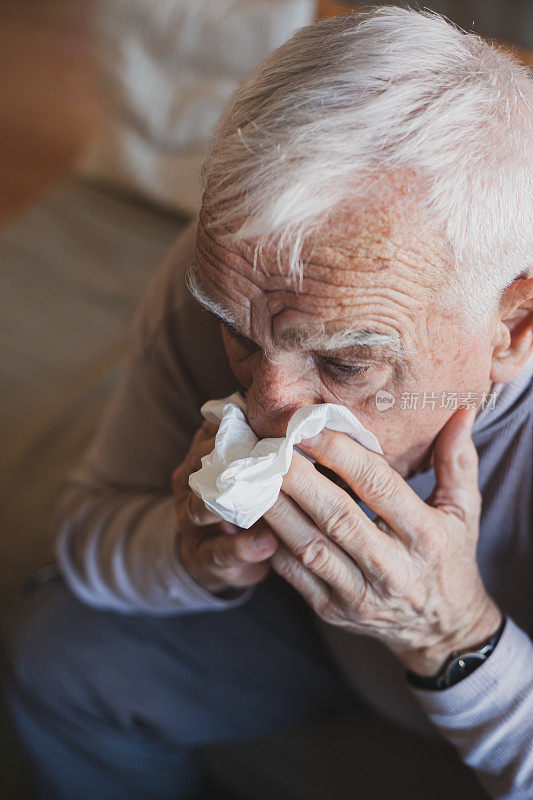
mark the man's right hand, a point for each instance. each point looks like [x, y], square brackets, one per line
[218, 555]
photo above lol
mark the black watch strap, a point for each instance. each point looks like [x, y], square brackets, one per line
[460, 664]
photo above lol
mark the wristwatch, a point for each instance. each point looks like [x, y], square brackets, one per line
[460, 664]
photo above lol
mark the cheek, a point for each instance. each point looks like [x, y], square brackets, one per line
[415, 411]
[455, 359]
[399, 428]
[405, 435]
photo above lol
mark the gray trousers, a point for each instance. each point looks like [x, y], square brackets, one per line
[115, 707]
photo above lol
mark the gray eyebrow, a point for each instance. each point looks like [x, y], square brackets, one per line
[389, 345]
[354, 337]
[199, 292]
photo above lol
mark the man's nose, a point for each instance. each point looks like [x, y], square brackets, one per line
[279, 387]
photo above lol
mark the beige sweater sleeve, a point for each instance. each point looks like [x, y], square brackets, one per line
[115, 520]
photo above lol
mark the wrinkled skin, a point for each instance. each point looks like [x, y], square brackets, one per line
[410, 578]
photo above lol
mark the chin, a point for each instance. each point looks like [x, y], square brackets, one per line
[414, 460]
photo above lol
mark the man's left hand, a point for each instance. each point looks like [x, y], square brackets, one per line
[410, 577]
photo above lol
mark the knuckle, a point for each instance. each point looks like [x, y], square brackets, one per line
[342, 524]
[194, 512]
[400, 582]
[299, 472]
[315, 554]
[218, 557]
[427, 531]
[377, 477]
[233, 575]
[430, 543]
[375, 569]
[329, 610]
[192, 462]
[201, 444]
[209, 428]
[467, 458]
[234, 552]
[194, 518]
[386, 484]
[246, 575]
[404, 586]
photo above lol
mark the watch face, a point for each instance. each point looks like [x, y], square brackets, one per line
[463, 666]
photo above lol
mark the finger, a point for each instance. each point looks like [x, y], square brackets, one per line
[206, 432]
[247, 547]
[209, 429]
[373, 480]
[339, 517]
[200, 447]
[455, 462]
[318, 554]
[312, 589]
[198, 514]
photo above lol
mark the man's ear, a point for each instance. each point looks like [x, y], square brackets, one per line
[513, 337]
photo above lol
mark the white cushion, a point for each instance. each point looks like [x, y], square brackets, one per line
[168, 68]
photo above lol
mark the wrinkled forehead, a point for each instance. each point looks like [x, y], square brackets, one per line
[374, 245]
[369, 281]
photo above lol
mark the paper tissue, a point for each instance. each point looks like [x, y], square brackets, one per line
[241, 478]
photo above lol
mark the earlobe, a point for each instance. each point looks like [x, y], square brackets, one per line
[514, 339]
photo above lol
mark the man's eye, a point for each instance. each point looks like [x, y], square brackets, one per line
[238, 336]
[347, 369]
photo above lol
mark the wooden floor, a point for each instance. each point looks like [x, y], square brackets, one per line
[48, 100]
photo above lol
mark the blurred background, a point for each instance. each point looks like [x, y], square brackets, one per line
[505, 20]
[106, 108]
[52, 73]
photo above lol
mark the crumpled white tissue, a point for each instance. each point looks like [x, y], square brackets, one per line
[241, 478]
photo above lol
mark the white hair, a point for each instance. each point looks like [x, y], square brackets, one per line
[351, 99]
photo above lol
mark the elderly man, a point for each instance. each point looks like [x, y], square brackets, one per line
[365, 239]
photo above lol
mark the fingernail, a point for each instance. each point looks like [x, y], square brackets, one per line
[263, 540]
[312, 442]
